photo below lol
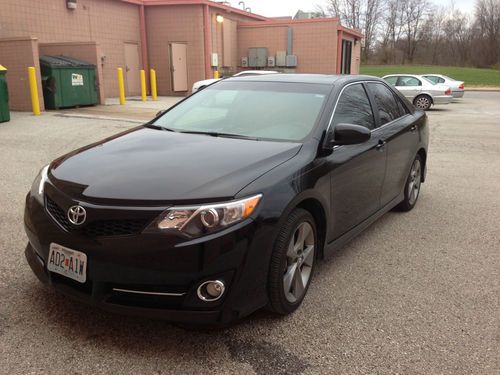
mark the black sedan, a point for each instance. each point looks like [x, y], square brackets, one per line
[223, 204]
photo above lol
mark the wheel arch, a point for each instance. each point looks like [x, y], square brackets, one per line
[316, 209]
[423, 155]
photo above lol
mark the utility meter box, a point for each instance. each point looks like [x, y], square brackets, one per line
[244, 62]
[257, 57]
[67, 82]
[271, 62]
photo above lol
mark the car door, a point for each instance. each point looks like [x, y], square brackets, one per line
[357, 171]
[409, 86]
[398, 129]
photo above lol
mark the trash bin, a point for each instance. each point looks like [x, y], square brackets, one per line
[67, 82]
[4, 96]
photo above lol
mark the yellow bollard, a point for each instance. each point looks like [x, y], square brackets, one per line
[121, 86]
[152, 77]
[216, 74]
[143, 85]
[35, 103]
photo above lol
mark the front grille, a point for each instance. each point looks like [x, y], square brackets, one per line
[58, 214]
[97, 228]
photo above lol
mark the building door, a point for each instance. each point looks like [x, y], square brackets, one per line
[132, 68]
[178, 66]
[346, 57]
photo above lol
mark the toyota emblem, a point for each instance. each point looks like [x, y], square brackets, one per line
[77, 215]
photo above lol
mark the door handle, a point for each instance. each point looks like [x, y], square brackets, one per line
[381, 145]
[413, 129]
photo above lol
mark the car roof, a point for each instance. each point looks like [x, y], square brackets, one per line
[325, 79]
[403, 75]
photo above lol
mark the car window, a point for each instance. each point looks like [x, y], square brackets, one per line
[385, 102]
[409, 81]
[433, 79]
[264, 110]
[354, 107]
[391, 80]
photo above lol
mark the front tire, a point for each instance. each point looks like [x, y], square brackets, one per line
[412, 186]
[292, 262]
[423, 102]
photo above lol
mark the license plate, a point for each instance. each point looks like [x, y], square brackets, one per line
[67, 262]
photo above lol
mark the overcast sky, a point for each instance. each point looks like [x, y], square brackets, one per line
[274, 8]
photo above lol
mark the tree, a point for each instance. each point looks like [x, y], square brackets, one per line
[358, 14]
[488, 27]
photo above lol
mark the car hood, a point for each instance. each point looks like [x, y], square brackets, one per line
[151, 165]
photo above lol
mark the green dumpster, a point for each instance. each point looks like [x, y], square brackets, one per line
[67, 82]
[4, 96]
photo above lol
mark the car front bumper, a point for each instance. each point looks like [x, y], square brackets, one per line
[166, 271]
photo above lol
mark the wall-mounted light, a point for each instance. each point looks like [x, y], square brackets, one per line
[219, 18]
[71, 4]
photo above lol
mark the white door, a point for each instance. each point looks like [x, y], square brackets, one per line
[178, 66]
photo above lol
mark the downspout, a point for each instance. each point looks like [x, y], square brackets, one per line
[144, 41]
[339, 51]
[207, 40]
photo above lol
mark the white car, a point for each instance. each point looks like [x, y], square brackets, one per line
[419, 90]
[457, 87]
[200, 85]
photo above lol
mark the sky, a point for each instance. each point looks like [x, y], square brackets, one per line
[274, 8]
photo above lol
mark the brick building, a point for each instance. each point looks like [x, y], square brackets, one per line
[183, 40]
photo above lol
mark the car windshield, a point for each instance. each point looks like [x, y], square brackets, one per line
[258, 110]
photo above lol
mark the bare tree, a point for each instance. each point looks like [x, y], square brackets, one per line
[358, 14]
[414, 12]
[488, 25]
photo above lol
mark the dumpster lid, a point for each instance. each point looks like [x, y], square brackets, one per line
[64, 61]
[3, 68]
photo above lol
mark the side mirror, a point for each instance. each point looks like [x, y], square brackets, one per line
[160, 113]
[347, 134]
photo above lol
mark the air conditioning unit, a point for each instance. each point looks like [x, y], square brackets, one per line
[271, 61]
[291, 61]
[244, 62]
[71, 4]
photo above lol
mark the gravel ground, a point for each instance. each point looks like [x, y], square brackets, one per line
[416, 293]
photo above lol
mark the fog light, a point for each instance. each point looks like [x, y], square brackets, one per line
[211, 291]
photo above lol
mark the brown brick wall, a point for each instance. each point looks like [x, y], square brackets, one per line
[109, 23]
[11, 52]
[314, 43]
[168, 24]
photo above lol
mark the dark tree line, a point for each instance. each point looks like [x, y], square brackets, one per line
[418, 31]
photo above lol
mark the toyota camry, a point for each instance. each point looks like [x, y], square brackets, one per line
[224, 204]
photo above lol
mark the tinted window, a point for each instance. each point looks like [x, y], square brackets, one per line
[385, 102]
[409, 81]
[354, 107]
[392, 80]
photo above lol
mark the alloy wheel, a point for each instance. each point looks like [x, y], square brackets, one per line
[415, 181]
[423, 102]
[299, 262]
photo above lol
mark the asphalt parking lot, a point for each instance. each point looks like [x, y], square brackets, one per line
[417, 292]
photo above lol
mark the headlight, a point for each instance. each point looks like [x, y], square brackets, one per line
[39, 184]
[196, 221]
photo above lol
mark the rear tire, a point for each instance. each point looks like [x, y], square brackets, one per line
[423, 102]
[412, 186]
[292, 262]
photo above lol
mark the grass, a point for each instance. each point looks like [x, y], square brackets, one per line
[471, 76]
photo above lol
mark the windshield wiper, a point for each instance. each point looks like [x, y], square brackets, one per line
[218, 134]
[154, 126]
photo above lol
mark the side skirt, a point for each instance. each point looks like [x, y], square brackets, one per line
[345, 238]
